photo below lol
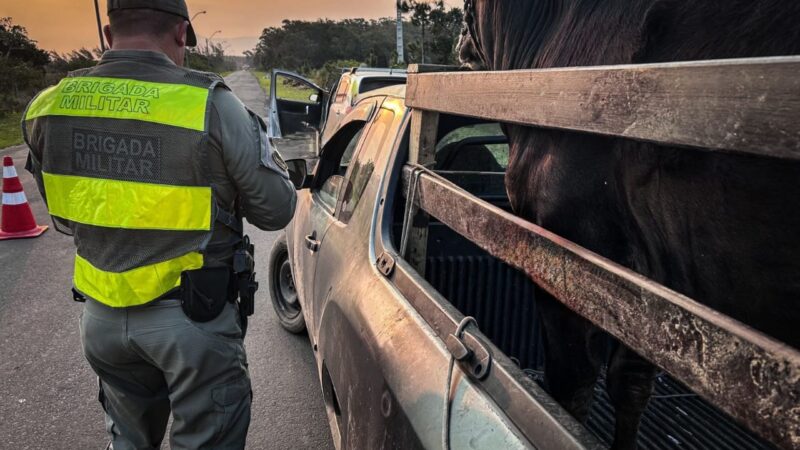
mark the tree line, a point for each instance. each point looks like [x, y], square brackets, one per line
[320, 48]
[25, 68]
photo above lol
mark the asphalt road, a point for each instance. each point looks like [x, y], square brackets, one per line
[47, 390]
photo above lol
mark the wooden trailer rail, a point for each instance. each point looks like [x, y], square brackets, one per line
[745, 105]
[748, 106]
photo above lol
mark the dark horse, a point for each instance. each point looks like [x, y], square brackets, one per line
[723, 229]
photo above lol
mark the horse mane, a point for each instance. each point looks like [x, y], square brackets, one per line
[533, 34]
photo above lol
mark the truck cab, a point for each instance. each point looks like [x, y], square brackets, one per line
[353, 83]
[311, 115]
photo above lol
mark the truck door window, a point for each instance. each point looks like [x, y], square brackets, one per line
[348, 153]
[329, 192]
[362, 168]
[294, 90]
[371, 84]
[473, 148]
[336, 158]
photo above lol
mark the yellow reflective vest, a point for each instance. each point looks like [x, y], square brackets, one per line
[124, 169]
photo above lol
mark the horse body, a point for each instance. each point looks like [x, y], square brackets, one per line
[723, 229]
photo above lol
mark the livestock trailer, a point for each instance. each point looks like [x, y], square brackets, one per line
[745, 106]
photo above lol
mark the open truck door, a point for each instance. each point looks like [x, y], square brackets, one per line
[295, 115]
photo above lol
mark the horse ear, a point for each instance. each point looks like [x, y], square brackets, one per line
[467, 51]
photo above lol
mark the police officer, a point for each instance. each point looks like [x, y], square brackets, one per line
[150, 166]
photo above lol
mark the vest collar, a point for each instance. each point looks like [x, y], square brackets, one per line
[144, 56]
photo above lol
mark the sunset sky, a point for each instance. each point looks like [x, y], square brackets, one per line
[63, 25]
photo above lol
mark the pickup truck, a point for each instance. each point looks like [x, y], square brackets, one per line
[442, 349]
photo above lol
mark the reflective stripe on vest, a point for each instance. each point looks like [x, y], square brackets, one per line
[134, 287]
[176, 105]
[127, 204]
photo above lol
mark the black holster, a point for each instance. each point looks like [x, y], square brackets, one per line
[244, 269]
[204, 292]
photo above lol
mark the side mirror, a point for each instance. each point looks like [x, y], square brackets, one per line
[313, 98]
[298, 173]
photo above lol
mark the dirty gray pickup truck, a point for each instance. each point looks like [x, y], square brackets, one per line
[391, 341]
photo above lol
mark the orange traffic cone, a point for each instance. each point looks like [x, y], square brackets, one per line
[18, 221]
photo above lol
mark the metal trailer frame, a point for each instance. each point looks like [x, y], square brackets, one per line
[747, 106]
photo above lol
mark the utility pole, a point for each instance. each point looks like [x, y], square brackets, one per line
[186, 54]
[423, 40]
[401, 59]
[99, 26]
[208, 51]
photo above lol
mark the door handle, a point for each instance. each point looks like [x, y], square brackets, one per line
[311, 243]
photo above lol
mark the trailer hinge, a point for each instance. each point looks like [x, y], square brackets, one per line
[385, 264]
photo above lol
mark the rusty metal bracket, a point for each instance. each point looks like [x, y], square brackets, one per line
[457, 348]
[455, 345]
[480, 360]
[468, 350]
[385, 264]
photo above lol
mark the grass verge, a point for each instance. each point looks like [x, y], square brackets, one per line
[10, 130]
[263, 80]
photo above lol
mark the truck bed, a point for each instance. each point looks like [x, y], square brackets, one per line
[503, 301]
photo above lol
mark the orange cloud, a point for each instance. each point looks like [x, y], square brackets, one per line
[64, 25]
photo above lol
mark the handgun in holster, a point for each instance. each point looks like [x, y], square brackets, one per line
[244, 267]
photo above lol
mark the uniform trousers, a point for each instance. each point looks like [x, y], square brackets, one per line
[152, 360]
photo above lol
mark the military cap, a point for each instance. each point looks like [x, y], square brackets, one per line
[176, 7]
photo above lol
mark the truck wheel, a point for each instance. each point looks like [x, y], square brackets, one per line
[282, 289]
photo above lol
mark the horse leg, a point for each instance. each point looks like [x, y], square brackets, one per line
[630, 384]
[571, 366]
